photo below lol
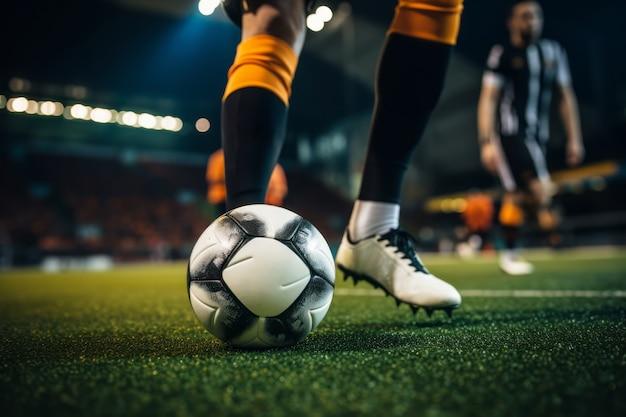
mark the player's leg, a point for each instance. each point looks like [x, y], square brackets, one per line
[541, 191]
[409, 81]
[511, 219]
[256, 99]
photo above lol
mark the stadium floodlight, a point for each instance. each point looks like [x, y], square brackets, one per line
[80, 111]
[203, 125]
[147, 121]
[129, 118]
[32, 107]
[207, 7]
[178, 124]
[324, 13]
[100, 115]
[314, 22]
[168, 123]
[17, 105]
[47, 108]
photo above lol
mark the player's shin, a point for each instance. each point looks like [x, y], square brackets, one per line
[254, 114]
[410, 78]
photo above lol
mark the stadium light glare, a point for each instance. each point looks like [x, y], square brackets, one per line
[100, 115]
[96, 114]
[129, 118]
[178, 124]
[47, 108]
[79, 111]
[17, 105]
[32, 107]
[324, 13]
[207, 7]
[314, 23]
[147, 121]
[203, 125]
[168, 123]
[58, 108]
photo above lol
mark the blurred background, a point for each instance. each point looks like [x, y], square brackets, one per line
[109, 111]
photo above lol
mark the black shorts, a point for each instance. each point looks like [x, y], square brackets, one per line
[523, 160]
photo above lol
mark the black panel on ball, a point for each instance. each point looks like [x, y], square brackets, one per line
[295, 323]
[254, 225]
[234, 318]
[310, 245]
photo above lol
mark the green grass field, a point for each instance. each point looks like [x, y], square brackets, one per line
[125, 343]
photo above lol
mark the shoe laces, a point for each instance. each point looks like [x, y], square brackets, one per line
[405, 245]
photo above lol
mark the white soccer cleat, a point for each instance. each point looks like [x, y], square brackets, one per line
[389, 262]
[512, 264]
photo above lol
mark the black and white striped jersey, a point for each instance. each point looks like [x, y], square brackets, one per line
[527, 78]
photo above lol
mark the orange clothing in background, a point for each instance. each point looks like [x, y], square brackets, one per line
[478, 213]
[215, 173]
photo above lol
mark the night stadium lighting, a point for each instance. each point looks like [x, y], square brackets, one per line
[96, 114]
[129, 118]
[32, 107]
[147, 121]
[100, 115]
[79, 111]
[203, 125]
[47, 108]
[17, 105]
[168, 123]
[207, 7]
[314, 22]
[325, 13]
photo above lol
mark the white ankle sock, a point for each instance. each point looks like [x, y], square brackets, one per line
[372, 217]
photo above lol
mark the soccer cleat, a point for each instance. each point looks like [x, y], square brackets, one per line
[389, 262]
[512, 264]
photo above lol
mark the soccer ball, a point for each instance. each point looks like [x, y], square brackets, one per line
[260, 276]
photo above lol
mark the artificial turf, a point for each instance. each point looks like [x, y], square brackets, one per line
[126, 343]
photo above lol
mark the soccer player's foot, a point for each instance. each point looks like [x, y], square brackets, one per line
[513, 264]
[389, 261]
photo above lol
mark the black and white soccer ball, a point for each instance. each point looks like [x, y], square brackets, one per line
[261, 276]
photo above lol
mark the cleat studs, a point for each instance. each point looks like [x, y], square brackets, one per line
[448, 312]
[414, 309]
[429, 311]
[398, 302]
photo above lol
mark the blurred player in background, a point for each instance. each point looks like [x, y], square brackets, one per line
[409, 81]
[513, 124]
[216, 191]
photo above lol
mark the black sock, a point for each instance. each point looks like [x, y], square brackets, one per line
[511, 235]
[410, 78]
[253, 131]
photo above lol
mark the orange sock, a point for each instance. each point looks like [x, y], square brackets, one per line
[263, 61]
[432, 20]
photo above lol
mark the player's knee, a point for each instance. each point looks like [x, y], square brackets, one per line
[273, 33]
[511, 213]
[432, 20]
[541, 192]
[284, 19]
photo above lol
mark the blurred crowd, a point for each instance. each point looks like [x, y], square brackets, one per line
[81, 206]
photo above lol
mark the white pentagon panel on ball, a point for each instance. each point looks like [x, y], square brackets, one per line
[266, 276]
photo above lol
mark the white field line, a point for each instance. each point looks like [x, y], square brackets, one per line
[362, 292]
[583, 253]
